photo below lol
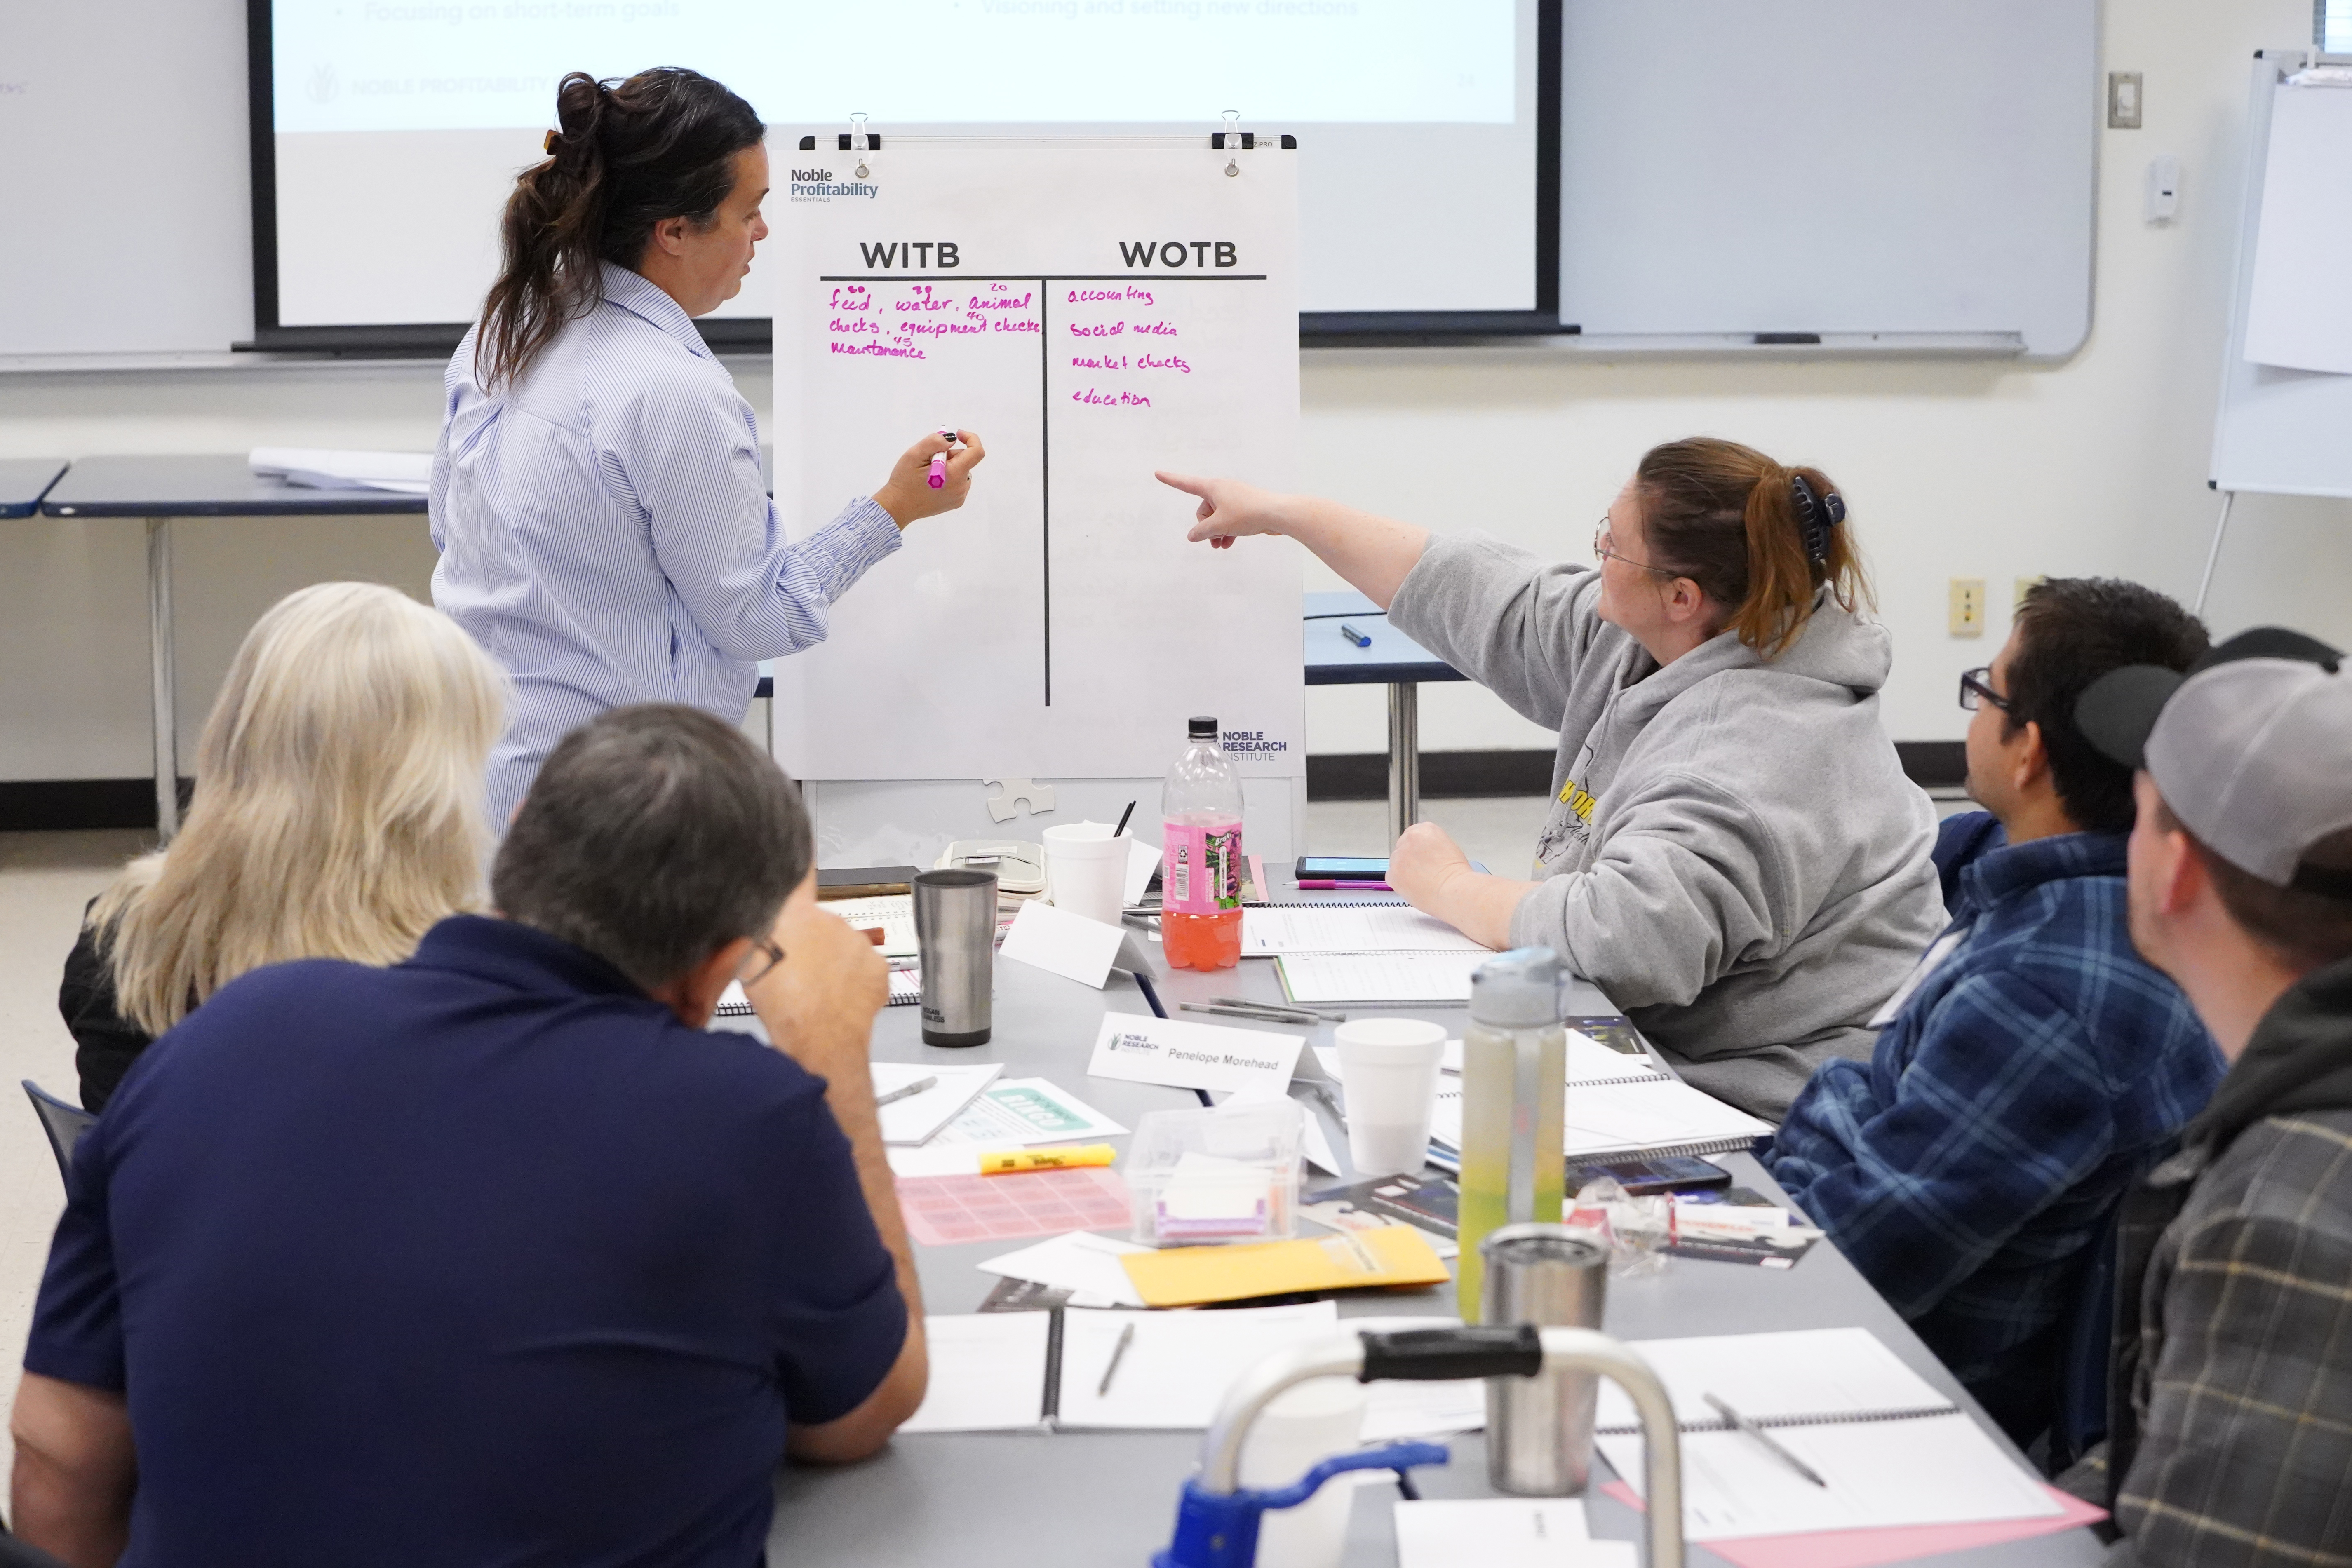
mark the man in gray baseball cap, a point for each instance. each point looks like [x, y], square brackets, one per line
[2229, 1435]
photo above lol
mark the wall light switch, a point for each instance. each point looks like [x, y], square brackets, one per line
[2163, 188]
[2123, 100]
[1968, 607]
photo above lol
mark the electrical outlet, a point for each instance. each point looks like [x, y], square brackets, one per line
[1968, 606]
[2123, 100]
[2025, 585]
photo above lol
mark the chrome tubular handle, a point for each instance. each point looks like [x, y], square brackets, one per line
[1339, 1355]
[1585, 1350]
[1564, 1350]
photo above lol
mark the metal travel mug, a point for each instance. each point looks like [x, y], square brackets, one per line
[955, 941]
[1539, 1429]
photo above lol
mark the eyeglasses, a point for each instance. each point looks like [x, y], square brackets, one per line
[1976, 686]
[1602, 552]
[763, 946]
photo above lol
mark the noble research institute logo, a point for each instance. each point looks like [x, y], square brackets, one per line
[324, 87]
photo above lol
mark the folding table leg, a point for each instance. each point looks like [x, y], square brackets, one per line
[159, 643]
[1404, 757]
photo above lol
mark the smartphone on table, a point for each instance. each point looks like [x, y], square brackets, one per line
[1672, 1172]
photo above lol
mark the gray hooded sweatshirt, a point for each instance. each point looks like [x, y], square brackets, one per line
[1734, 854]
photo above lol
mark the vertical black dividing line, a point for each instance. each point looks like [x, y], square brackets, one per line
[1050, 1406]
[1045, 478]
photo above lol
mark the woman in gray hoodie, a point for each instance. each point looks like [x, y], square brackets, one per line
[1733, 854]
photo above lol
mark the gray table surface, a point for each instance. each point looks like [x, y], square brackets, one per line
[1333, 659]
[202, 487]
[1033, 1501]
[24, 481]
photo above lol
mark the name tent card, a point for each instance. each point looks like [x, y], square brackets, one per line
[1192, 1055]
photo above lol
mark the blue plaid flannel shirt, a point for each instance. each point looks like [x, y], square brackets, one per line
[2038, 1073]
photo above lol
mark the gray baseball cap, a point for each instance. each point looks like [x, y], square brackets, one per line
[2252, 748]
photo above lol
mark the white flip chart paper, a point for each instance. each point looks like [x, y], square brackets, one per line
[1095, 309]
[2299, 312]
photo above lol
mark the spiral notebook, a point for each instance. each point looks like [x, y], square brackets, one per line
[1617, 1111]
[1890, 1448]
[906, 990]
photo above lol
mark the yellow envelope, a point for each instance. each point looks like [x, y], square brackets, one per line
[1189, 1276]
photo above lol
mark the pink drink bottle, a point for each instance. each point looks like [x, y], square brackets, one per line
[1200, 865]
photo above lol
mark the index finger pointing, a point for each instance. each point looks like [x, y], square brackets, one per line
[1184, 482]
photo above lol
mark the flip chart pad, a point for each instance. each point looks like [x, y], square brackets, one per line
[1095, 309]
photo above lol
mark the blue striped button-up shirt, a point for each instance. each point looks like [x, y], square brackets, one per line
[605, 532]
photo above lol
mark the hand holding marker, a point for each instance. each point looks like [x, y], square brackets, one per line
[938, 474]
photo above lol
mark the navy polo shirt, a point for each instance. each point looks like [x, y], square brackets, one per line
[483, 1258]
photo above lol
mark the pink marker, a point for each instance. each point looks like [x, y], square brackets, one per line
[939, 470]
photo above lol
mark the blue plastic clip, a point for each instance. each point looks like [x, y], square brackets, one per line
[1218, 1530]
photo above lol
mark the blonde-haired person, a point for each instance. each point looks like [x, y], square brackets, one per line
[1733, 854]
[338, 814]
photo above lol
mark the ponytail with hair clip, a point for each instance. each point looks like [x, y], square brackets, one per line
[1816, 515]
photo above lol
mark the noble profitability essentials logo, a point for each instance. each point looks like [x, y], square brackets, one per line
[819, 185]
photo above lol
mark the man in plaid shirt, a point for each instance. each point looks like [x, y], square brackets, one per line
[2231, 1417]
[2034, 1067]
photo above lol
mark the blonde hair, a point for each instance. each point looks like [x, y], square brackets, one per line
[338, 810]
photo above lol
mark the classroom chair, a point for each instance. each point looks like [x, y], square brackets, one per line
[63, 1123]
[2080, 1420]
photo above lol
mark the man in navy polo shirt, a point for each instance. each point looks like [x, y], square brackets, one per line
[495, 1256]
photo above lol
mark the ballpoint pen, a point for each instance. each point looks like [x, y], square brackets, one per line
[1118, 1354]
[1279, 1008]
[1352, 635]
[1260, 1014]
[1742, 1425]
[906, 1090]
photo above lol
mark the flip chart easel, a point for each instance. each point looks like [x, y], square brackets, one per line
[1095, 309]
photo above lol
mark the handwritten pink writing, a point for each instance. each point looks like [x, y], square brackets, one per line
[1006, 324]
[1157, 329]
[856, 297]
[1111, 400]
[1099, 329]
[1009, 302]
[879, 351]
[1162, 363]
[1098, 361]
[1082, 295]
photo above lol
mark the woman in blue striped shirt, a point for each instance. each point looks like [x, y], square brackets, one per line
[604, 527]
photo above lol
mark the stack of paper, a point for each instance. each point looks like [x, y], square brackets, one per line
[1008, 1371]
[1893, 1450]
[1178, 1365]
[1503, 1532]
[1272, 932]
[892, 914]
[1310, 977]
[321, 468]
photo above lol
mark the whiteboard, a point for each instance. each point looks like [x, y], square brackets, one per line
[2287, 432]
[1884, 173]
[124, 176]
[1094, 309]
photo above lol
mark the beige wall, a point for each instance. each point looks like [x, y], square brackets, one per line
[1971, 469]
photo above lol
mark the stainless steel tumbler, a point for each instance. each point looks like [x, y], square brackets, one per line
[1539, 1429]
[955, 941]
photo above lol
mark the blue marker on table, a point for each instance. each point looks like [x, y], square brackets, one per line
[1352, 635]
